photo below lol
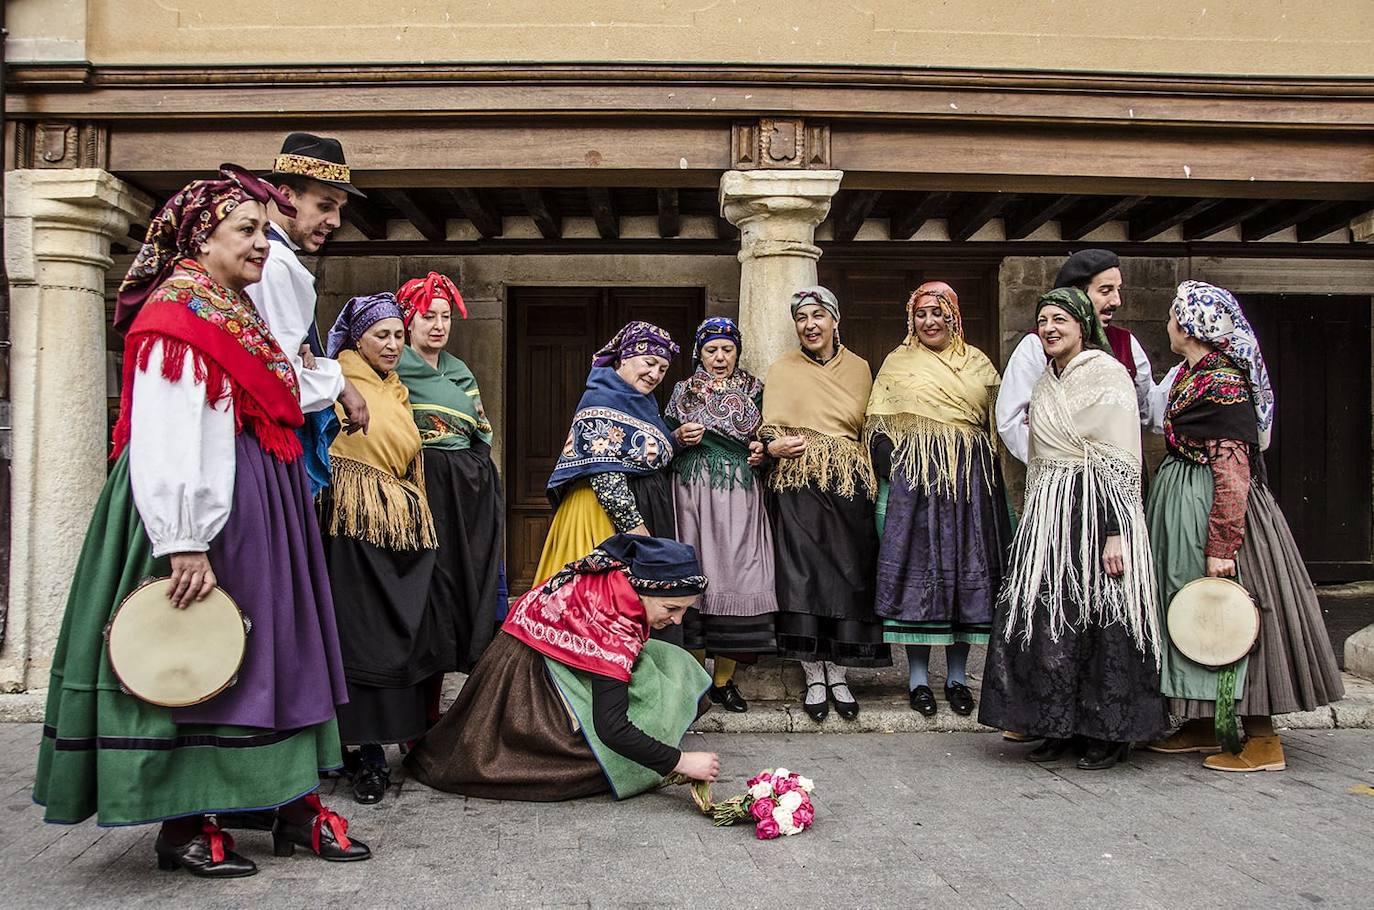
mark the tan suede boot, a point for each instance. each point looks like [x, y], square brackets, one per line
[1198, 735]
[1261, 753]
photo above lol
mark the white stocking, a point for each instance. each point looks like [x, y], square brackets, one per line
[835, 677]
[815, 673]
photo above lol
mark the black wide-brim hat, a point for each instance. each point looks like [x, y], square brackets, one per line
[317, 157]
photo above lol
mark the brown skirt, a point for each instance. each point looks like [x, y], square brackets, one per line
[1294, 668]
[508, 736]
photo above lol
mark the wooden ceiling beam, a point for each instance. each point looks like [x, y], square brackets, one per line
[905, 225]
[365, 216]
[1222, 217]
[1318, 226]
[1112, 210]
[479, 210]
[545, 214]
[975, 211]
[1161, 216]
[603, 212]
[850, 210]
[1034, 213]
[420, 211]
[1281, 217]
[669, 215]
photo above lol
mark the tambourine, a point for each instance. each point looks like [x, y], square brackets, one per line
[1213, 621]
[176, 658]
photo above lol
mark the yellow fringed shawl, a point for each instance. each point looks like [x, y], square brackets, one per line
[937, 408]
[825, 404]
[378, 479]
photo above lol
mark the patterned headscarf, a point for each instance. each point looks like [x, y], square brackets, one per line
[1213, 315]
[416, 295]
[944, 295]
[182, 225]
[815, 294]
[636, 339]
[357, 316]
[1077, 304]
[714, 329]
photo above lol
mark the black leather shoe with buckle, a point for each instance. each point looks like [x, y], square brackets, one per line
[923, 700]
[728, 697]
[370, 782]
[960, 698]
[819, 710]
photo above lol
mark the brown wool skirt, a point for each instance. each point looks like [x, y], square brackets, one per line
[1294, 668]
[508, 736]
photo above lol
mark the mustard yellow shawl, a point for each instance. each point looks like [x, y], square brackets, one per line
[937, 408]
[378, 484]
[825, 404]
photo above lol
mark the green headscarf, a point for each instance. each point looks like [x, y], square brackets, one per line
[445, 403]
[1076, 303]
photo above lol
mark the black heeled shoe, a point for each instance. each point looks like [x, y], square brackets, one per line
[846, 709]
[209, 854]
[923, 701]
[1050, 750]
[370, 783]
[325, 835]
[1102, 755]
[728, 697]
[818, 711]
[960, 698]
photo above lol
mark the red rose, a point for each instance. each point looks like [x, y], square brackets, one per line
[762, 808]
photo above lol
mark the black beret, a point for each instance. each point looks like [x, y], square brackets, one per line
[1083, 265]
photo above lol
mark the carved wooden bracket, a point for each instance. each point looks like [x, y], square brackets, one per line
[773, 143]
[56, 144]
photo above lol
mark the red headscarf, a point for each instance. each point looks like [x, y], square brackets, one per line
[182, 225]
[948, 302]
[417, 294]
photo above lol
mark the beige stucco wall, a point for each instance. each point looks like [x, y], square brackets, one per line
[1276, 37]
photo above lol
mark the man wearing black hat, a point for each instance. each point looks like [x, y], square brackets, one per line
[312, 174]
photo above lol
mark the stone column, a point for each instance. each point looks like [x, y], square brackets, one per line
[58, 228]
[777, 212]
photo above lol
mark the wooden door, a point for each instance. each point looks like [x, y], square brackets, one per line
[554, 333]
[1317, 349]
[873, 302]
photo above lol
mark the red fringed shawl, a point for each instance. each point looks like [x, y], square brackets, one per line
[235, 356]
[591, 622]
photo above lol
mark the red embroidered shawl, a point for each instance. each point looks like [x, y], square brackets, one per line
[592, 622]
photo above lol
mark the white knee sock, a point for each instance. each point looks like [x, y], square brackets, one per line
[815, 673]
[835, 677]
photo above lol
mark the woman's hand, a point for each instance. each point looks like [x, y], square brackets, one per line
[307, 357]
[1112, 560]
[787, 447]
[192, 579]
[699, 765]
[689, 434]
[641, 529]
[1220, 568]
[755, 454]
[355, 409]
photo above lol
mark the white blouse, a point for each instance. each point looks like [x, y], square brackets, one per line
[181, 458]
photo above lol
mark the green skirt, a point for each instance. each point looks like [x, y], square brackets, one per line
[108, 754]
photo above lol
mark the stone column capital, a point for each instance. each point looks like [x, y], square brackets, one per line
[44, 209]
[800, 197]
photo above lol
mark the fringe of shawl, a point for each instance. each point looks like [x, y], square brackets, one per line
[933, 454]
[1042, 567]
[832, 463]
[370, 504]
[724, 468]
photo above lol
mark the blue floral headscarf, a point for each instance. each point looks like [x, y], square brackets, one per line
[357, 316]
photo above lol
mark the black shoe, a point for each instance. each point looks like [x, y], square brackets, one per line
[1050, 750]
[818, 711]
[1102, 755]
[846, 709]
[923, 700]
[959, 697]
[370, 783]
[257, 820]
[196, 856]
[325, 835]
[728, 697]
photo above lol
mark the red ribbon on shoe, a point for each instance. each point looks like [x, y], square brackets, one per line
[218, 840]
[338, 825]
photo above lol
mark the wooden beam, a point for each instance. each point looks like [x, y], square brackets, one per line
[1159, 217]
[479, 210]
[974, 211]
[1034, 213]
[1111, 210]
[1226, 215]
[603, 212]
[365, 216]
[420, 211]
[1319, 226]
[906, 224]
[850, 210]
[669, 218]
[545, 214]
[1281, 217]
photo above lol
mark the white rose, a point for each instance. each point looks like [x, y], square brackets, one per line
[784, 820]
[761, 789]
[805, 783]
[781, 772]
[790, 801]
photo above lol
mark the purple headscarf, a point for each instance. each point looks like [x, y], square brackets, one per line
[636, 339]
[357, 316]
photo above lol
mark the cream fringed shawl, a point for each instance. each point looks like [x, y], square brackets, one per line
[825, 404]
[378, 477]
[936, 407]
[1085, 437]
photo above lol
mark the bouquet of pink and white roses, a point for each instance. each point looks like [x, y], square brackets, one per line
[779, 802]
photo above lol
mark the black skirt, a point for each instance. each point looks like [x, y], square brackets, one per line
[464, 494]
[741, 638]
[825, 547]
[654, 499]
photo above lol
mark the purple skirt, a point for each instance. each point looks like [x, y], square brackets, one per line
[269, 558]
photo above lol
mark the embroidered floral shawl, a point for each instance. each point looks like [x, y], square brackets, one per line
[445, 402]
[729, 408]
[1209, 400]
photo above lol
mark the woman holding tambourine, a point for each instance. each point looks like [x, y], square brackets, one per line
[1211, 515]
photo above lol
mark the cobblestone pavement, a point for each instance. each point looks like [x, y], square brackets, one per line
[903, 820]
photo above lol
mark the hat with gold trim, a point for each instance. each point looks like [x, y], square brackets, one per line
[317, 157]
